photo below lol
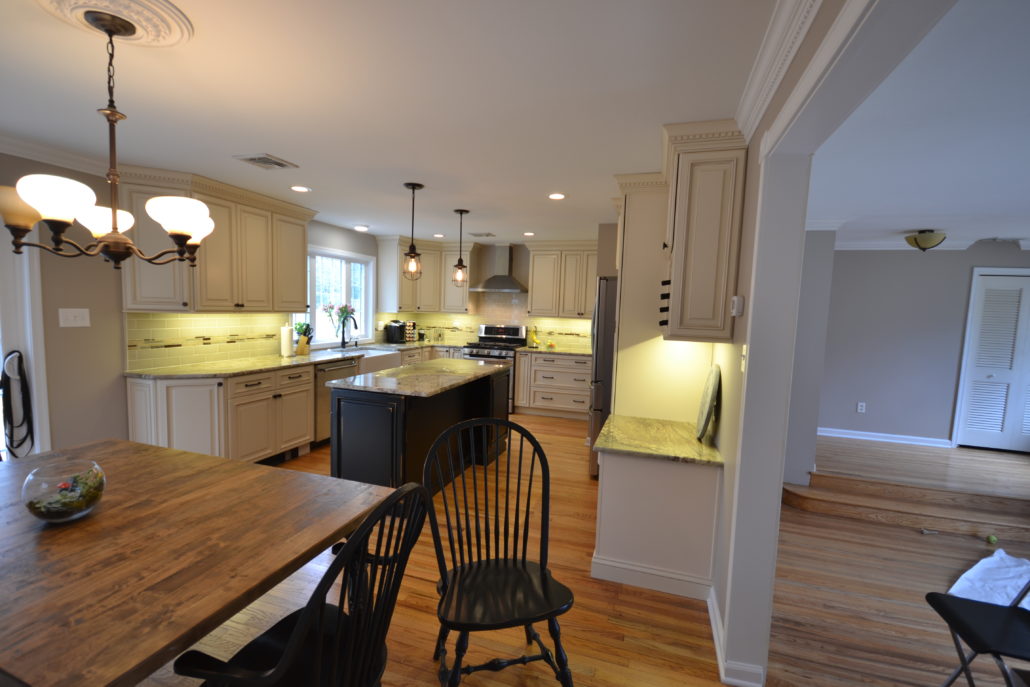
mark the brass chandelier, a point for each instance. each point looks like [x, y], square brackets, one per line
[59, 201]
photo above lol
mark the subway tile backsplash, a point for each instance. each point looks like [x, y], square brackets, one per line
[160, 339]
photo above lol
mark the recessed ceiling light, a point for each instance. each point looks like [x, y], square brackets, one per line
[360, 227]
[301, 189]
[556, 196]
[528, 233]
[437, 236]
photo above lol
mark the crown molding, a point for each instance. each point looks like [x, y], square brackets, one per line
[561, 245]
[649, 181]
[692, 137]
[149, 176]
[40, 152]
[787, 28]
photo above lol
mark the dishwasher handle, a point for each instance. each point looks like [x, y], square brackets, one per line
[346, 364]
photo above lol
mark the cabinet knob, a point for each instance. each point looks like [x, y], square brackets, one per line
[185, 304]
[219, 383]
[277, 395]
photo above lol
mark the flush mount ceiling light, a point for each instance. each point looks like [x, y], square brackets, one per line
[58, 201]
[301, 189]
[437, 236]
[412, 258]
[460, 276]
[528, 233]
[925, 239]
[360, 227]
[556, 196]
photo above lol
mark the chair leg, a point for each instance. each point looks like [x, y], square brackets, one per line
[964, 667]
[1005, 672]
[441, 641]
[529, 633]
[564, 674]
[459, 654]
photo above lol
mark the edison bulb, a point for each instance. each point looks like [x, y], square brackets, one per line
[412, 265]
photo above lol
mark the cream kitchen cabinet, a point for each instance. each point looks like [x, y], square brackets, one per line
[186, 414]
[553, 384]
[706, 169]
[455, 298]
[523, 373]
[578, 277]
[561, 281]
[152, 287]
[544, 283]
[289, 264]
[423, 294]
[236, 270]
[270, 412]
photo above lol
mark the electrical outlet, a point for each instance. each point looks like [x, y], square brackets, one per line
[860, 408]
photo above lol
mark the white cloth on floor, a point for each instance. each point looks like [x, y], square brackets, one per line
[995, 579]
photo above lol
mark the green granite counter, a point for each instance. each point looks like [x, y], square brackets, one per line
[420, 379]
[650, 438]
[245, 366]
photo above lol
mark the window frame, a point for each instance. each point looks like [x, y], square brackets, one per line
[367, 319]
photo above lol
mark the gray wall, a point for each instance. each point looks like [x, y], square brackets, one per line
[84, 365]
[338, 238]
[897, 322]
[606, 247]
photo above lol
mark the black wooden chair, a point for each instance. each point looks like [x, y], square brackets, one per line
[341, 644]
[492, 488]
[986, 628]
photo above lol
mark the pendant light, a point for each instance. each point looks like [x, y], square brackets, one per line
[59, 201]
[460, 276]
[412, 259]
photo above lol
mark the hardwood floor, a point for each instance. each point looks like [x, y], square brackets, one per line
[848, 605]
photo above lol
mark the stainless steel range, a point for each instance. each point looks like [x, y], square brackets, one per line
[497, 343]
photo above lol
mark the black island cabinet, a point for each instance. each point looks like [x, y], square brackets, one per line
[383, 423]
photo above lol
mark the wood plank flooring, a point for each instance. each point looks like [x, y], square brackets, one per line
[848, 605]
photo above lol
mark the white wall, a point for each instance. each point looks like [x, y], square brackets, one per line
[340, 238]
[897, 322]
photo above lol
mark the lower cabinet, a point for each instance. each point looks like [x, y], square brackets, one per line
[552, 384]
[248, 418]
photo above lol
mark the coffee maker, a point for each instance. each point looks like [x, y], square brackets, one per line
[394, 331]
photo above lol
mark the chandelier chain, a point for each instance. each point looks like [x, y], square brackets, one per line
[110, 70]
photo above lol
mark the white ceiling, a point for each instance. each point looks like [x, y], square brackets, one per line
[490, 104]
[943, 143]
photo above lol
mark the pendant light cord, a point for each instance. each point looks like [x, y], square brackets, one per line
[412, 219]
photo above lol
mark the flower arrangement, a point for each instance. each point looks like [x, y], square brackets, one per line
[338, 314]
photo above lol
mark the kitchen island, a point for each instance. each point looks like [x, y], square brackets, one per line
[383, 423]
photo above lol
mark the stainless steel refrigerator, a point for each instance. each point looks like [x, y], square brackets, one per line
[602, 334]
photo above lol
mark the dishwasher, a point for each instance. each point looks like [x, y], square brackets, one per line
[337, 369]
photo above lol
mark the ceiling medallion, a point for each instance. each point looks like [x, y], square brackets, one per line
[158, 23]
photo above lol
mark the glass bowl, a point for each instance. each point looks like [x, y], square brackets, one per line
[59, 493]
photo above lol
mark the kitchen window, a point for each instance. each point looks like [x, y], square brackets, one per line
[340, 277]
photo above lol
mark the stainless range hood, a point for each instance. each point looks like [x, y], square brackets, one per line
[496, 261]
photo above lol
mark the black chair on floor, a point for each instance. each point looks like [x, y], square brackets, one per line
[986, 628]
[342, 644]
[492, 508]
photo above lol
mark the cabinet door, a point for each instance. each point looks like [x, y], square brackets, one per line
[146, 286]
[589, 282]
[214, 275]
[295, 414]
[571, 301]
[522, 376]
[252, 427]
[455, 298]
[142, 404]
[429, 286]
[190, 415]
[544, 282]
[253, 252]
[406, 297]
[289, 264]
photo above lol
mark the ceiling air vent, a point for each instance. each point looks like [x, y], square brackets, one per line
[482, 235]
[266, 161]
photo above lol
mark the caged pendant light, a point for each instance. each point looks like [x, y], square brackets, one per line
[59, 201]
[460, 276]
[412, 258]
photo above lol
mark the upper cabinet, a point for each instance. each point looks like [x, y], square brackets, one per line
[422, 294]
[705, 168]
[432, 292]
[562, 279]
[254, 261]
[454, 298]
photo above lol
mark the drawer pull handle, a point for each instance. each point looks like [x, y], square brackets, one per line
[295, 376]
[546, 377]
[250, 384]
[548, 360]
[580, 362]
[547, 398]
[579, 379]
[277, 395]
[576, 400]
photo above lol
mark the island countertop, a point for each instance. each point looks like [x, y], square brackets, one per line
[420, 379]
[651, 438]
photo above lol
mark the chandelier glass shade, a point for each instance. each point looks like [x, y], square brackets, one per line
[58, 201]
[412, 266]
[925, 239]
[460, 275]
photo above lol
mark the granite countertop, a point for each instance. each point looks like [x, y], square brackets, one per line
[245, 366]
[420, 379]
[582, 349]
[650, 438]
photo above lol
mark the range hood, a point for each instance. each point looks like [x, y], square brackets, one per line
[496, 262]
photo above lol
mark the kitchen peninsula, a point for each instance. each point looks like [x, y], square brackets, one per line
[383, 423]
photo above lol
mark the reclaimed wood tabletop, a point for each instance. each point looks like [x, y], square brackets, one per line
[178, 544]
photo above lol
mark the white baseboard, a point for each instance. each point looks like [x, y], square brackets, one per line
[730, 672]
[891, 438]
[649, 577]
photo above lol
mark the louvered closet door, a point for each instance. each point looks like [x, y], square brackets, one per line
[995, 408]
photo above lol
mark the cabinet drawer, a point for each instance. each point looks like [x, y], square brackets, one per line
[294, 376]
[251, 383]
[566, 379]
[568, 362]
[562, 400]
[409, 357]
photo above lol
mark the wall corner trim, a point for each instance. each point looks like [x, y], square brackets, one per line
[787, 28]
[730, 672]
[890, 438]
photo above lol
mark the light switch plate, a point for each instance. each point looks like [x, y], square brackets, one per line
[73, 317]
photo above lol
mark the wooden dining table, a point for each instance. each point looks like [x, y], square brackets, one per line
[178, 544]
